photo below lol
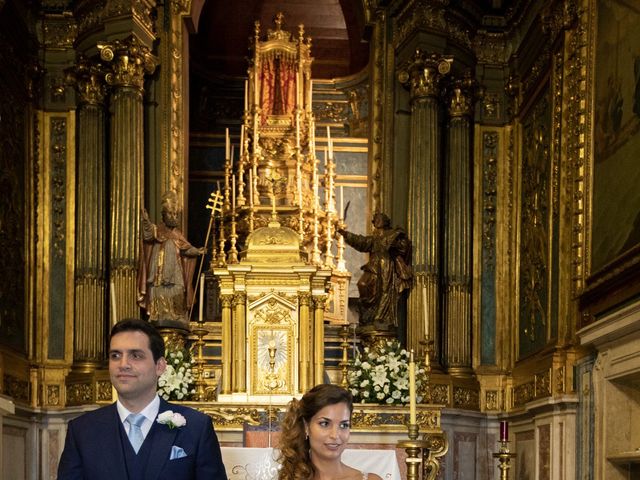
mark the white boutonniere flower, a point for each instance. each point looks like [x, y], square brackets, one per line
[171, 419]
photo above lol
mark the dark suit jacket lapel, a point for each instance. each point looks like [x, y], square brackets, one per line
[111, 452]
[161, 447]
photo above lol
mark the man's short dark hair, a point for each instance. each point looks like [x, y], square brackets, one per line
[156, 342]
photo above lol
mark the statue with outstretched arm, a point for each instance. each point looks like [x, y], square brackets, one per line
[386, 275]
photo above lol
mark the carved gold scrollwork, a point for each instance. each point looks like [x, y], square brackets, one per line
[490, 198]
[560, 380]
[59, 31]
[428, 15]
[53, 394]
[16, 388]
[491, 400]
[437, 393]
[228, 417]
[273, 313]
[79, 394]
[438, 447]
[58, 152]
[535, 223]
[104, 391]
[466, 398]
[129, 61]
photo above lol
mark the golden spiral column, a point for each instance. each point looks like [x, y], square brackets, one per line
[90, 256]
[129, 62]
[457, 230]
[422, 75]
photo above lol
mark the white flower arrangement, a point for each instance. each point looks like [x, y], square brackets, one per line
[171, 419]
[177, 382]
[381, 375]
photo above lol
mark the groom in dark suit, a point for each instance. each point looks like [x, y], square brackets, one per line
[140, 437]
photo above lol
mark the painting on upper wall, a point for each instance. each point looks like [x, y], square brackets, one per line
[616, 132]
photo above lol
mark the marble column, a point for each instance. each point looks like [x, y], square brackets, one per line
[422, 76]
[458, 229]
[91, 233]
[129, 61]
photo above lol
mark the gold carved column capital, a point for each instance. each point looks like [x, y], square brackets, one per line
[462, 95]
[180, 6]
[423, 72]
[320, 302]
[239, 298]
[129, 61]
[88, 79]
[304, 298]
[226, 300]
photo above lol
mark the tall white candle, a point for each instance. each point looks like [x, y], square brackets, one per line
[424, 310]
[227, 149]
[341, 202]
[201, 303]
[329, 143]
[315, 185]
[251, 187]
[354, 340]
[233, 192]
[299, 181]
[297, 89]
[412, 390]
[241, 140]
[246, 95]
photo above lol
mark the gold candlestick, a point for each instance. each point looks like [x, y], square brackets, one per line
[221, 260]
[504, 457]
[344, 364]
[416, 449]
[233, 251]
[200, 332]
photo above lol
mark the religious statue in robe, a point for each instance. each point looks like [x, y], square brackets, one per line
[386, 275]
[167, 264]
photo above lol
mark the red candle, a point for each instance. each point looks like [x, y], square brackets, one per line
[504, 431]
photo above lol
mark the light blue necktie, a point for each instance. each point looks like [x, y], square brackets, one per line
[135, 432]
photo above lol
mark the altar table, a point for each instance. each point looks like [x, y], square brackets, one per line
[259, 463]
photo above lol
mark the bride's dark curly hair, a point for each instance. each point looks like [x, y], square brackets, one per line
[294, 445]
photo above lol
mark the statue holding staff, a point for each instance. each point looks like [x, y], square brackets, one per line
[167, 264]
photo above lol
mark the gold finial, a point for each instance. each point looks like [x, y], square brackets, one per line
[279, 20]
[256, 28]
[301, 32]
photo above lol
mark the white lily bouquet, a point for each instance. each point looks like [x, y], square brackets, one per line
[381, 375]
[177, 381]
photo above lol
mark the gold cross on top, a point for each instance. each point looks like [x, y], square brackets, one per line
[215, 202]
